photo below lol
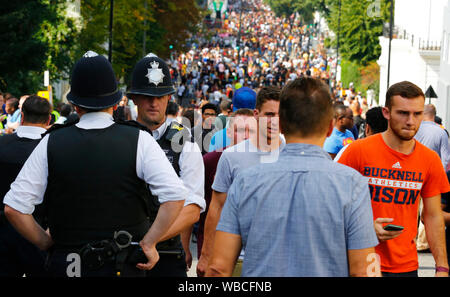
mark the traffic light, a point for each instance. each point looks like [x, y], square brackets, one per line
[171, 46]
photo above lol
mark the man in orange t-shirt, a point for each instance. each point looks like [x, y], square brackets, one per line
[400, 172]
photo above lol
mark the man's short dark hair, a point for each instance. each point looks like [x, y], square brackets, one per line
[14, 102]
[376, 120]
[188, 118]
[240, 112]
[36, 110]
[305, 107]
[243, 111]
[66, 110]
[339, 110]
[209, 106]
[172, 108]
[266, 94]
[404, 89]
[225, 105]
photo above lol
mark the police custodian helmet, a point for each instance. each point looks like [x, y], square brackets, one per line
[151, 77]
[93, 84]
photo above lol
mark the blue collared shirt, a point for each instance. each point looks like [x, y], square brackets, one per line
[337, 141]
[300, 215]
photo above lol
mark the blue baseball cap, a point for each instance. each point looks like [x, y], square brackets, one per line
[244, 98]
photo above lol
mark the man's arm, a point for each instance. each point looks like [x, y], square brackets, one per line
[227, 247]
[185, 236]
[435, 230]
[363, 262]
[212, 219]
[189, 214]
[27, 226]
[163, 183]
[445, 150]
[168, 212]
[191, 168]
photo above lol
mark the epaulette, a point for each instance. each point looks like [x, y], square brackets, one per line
[55, 127]
[134, 124]
[176, 128]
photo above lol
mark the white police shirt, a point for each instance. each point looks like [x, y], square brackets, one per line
[30, 132]
[192, 169]
[29, 187]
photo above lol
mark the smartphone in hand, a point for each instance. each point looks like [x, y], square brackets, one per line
[392, 227]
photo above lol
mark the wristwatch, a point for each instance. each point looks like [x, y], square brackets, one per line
[441, 269]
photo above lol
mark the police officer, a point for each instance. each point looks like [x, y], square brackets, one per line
[151, 90]
[17, 255]
[95, 175]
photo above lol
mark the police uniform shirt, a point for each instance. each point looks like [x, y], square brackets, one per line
[30, 132]
[192, 169]
[152, 166]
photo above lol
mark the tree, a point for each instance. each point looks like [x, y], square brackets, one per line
[157, 23]
[305, 8]
[359, 28]
[35, 36]
[178, 20]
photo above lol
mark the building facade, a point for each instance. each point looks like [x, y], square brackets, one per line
[415, 53]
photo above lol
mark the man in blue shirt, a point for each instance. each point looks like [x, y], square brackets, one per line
[432, 135]
[341, 135]
[13, 111]
[302, 215]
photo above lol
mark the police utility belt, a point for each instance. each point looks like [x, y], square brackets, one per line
[121, 250]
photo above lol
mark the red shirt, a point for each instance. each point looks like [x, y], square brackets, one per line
[397, 182]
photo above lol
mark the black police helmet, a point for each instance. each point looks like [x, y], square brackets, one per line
[151, 77]
[93, 83]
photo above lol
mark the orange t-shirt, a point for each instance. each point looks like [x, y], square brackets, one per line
[396, 183]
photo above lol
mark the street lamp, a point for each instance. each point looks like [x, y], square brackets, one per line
[337, 47]
[391, 22]
[144, 38]
[111, 13]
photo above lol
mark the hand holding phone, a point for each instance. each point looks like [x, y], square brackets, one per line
[392, 227]
[385, 234]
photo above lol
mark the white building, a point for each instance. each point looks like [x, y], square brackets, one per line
[443, 89]
[416, 49]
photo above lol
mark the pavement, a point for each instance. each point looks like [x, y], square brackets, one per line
[426, 263]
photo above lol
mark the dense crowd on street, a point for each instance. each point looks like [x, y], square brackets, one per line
[245, 144]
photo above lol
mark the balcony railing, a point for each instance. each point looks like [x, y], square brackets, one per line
[421, 44]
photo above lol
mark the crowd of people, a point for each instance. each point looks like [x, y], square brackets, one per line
[253, 49]
[242, 142]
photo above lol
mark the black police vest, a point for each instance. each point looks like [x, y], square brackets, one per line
[93, 189]
[14, 152]
[171, 143]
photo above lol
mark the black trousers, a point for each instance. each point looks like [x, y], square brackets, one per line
[404, 274]
[169, 265]
[18, 256]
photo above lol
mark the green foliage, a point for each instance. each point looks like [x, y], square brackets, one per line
[363, 77]
[360, 26]
[305, 8]
[35, 36]
[160, 23]
[350, 72]
[361, 23]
